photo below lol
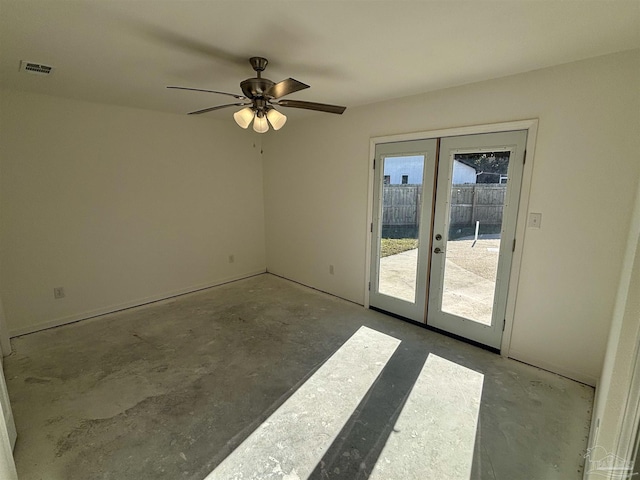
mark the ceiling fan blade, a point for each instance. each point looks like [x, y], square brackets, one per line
[321, 107]
[235, 95]
[218, 107]
[285, 87]
[168, 37]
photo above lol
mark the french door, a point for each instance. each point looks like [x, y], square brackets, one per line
[403, 199]
[474, 234]
[454, 274]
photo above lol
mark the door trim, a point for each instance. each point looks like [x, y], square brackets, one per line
[531, 126]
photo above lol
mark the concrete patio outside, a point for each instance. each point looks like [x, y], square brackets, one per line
[470, 274]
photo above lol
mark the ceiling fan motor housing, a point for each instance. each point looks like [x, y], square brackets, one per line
[255, 87]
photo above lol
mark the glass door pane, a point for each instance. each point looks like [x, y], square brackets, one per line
[401, 230]
[399, 239]
[473, 240]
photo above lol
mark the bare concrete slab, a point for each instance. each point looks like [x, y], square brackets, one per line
[434, 435]
[299, 433]
[170, 390]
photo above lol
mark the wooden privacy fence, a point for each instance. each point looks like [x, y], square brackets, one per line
[481, 202]
[401, 205]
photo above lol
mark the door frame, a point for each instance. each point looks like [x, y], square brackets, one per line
[531, 126]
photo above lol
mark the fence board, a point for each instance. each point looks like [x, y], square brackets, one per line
[401, 205]
[483, 202]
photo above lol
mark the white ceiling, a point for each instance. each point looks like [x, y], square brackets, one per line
[350, 52]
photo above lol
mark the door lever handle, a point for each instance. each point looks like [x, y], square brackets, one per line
[438, 250]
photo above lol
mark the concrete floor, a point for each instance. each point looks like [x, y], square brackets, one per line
[307, 385]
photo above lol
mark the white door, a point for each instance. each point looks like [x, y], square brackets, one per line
[401, 228]
[474, 234]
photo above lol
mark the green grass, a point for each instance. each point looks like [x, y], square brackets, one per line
[391, 246]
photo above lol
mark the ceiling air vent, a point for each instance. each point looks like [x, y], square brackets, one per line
[35, 68]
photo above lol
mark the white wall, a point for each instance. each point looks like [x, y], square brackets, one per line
[7, 422]
[8, 431]
[584, 178]
[463, 173]
[119, 206]
[612, 420]
[411, 166]
[6, 412]
[7, 465]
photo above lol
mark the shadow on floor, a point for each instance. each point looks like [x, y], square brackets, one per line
[169, 390]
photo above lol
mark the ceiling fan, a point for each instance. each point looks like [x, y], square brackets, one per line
[260, 97]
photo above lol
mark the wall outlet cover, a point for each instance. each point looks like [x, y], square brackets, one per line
[535, 220]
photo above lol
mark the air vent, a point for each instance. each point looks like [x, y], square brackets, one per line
[35, 68]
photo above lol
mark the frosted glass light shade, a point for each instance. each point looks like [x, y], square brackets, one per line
[260, 124]
[276, 119]
[243, 117]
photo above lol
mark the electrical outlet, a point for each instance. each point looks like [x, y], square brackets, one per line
[58, 292]
[232, 258]
[331, 269]
[535, 220]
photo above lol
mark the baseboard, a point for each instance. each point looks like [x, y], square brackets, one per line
[318, 289]
[553, 368]
[57, 322]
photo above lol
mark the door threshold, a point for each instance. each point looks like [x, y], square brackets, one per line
[437, 330]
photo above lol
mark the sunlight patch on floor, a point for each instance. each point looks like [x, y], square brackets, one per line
[435, 433]
[291, 442]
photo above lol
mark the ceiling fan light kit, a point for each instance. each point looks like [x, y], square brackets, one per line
[260, 123]
[247, 115]
[276, 119]
[258, 100]
[244, 117]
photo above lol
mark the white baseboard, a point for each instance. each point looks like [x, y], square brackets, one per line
[56, 322]
[553, 368]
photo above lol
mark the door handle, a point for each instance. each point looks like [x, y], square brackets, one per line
[438, 250]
